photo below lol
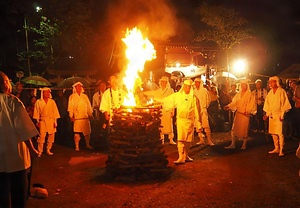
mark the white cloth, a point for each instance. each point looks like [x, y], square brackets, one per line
[242, 104]
[46, 114]
[276, 105]
[188, 109]
[204, 98]
[166, 118]
[79, 108]
[107, 104]
[16, 127]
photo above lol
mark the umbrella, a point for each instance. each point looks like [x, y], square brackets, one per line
[222, 77]
[37, 81]
[67, 83]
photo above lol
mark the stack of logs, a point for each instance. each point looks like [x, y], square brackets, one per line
[135, 148]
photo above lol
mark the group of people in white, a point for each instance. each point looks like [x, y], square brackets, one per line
[190, 105]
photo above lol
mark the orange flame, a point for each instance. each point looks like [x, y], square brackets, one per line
[139, 50]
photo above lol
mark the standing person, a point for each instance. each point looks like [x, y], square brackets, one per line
[276, 105]
[296, 97]
[98, 115]
[63, 124]
[163, 91]
[188, 109]
[202, 94]
[15, 149]
[22, 94]
[260, 95]
[214, 106]
[243, 103]
[80, 112]
[224, 100]
[46, 114]
[232, 91]
[112, 98]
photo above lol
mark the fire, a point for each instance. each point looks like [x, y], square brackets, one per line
[139, 50]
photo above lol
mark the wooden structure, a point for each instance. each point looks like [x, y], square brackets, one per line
[135, 149]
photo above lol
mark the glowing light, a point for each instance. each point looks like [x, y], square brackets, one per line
[139, 50]
[240, 66]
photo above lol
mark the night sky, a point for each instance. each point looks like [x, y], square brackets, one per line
[276, 23]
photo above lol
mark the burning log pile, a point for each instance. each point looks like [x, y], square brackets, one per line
[135, 148]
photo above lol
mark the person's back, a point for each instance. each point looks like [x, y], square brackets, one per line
[16, 131]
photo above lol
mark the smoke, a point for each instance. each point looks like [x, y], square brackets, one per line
[156, 18]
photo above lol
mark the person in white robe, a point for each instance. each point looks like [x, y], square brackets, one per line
[163, 91]
[80, 112]
[112, 98]
[243, 103]
[188, 111]
[46, 114]
[275, 106]
[203, 95]
[16, 148]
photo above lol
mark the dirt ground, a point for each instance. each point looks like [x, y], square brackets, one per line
[216, 178]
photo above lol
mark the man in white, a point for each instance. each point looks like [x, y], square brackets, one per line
[243, 103]
[260, 95]
[112, 98]
[188, 109]
[46, 113]
[80, 112]
[202, 94]
[167, 116]
[276, 105]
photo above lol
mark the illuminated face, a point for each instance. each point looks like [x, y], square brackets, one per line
[258, 85]
[102, 87]
[7, 85]
[19, 87]
[113, 81]
[46, 94]
[244, 86]
[163, 83]
[78, 88]
[197, 84]
[273, 84]
[187, 89]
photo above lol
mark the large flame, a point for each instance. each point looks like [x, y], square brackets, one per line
[139, 50]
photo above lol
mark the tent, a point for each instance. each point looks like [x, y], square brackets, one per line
[292, 72]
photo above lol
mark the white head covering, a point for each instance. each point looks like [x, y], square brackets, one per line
[245, 81]
[45, 89]
[258, 80]
[188, 82]
[74, 85]
[276, 79]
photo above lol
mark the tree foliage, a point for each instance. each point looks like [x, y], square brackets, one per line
[225, 27]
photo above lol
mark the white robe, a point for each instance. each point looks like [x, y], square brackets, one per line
[107, 104]
[16, 127]
[204, 98]
[242, 104]
[188, 109]
[276, 105]
[46, 114]
[79, 108]
[166, 118]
